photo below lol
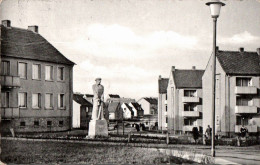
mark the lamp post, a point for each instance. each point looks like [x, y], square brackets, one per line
[215, 7]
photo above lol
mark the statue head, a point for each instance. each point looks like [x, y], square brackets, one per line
[98, 81]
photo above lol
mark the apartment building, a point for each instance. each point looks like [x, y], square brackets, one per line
[36, 79]
[184, 100]
[237, 100]
[162, 103]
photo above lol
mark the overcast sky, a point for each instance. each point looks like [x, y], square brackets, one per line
[129, 43]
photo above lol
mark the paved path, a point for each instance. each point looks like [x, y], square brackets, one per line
[240, 156]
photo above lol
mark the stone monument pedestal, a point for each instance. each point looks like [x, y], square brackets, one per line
[97, 128]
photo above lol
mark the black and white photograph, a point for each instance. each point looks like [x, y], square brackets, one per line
[130, 82]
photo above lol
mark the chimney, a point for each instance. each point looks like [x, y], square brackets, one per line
[6, 23]
[241, 49]
[33, 28]
[258, 51]
[173, 68]
[160, 77]
[193, 67]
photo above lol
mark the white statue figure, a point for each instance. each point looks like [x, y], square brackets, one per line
[98, 124]
[98, 100]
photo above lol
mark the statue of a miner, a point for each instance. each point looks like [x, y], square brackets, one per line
[98, 124]
[98, 100]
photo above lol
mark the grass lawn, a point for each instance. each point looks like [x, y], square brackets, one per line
[57, 152]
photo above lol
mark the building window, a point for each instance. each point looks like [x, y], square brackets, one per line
[36, 100]
[244, 101]
[60, 73]
[22, 99]
[36, 123]
[166, 120]
[61, 101]
[166, 96]
[241, 120]
[36, 71]
[189, 93]
[60, 123]
[189, 107]
[5, 68]
[49, 100]
[166, 108]
[5, 99]
[22, 70]
[243, 81]
[48, 72]
[189, 122]
[49, 123]
[22, 124]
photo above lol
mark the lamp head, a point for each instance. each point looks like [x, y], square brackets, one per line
[215, 6]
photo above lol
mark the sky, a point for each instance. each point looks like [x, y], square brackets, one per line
[129, 43]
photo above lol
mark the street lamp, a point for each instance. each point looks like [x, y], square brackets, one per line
[215, 7]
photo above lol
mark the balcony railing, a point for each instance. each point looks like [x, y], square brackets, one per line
[186, 99]
[9, 112]
[8, 81]
[245, 109]
[188, 128]
[198, 122]
[190, 113]
[250, 128]
[245, 90]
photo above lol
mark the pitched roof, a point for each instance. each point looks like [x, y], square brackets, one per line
[137, 106]
[79, 99]
[23, 43]
[163, 84]
[188, 78]
[236, 62]
[129, 107]
[151, 100]
[113, 106]
[113, 96]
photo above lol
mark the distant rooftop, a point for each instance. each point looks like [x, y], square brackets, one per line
[163, 84]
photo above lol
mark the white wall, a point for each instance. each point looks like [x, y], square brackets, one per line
[76, 115]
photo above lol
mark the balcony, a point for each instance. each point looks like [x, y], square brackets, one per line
[250, 128]
[9, 113]
[8, 81]
[188, 128]
[186, 99]
[245, 109]
[190, 113]
[245, 90]
[198, 122]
